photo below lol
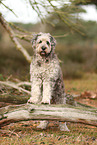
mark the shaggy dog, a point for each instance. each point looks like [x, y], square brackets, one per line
[47, 85]
[46, 75]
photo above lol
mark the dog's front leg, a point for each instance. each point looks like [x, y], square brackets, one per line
[46, 92]
[35, 91]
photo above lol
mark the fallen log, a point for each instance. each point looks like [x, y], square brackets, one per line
[63, 113]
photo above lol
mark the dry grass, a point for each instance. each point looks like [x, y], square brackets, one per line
[27, 134]
[77, 86]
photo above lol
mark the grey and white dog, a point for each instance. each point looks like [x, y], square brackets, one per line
[47, 85]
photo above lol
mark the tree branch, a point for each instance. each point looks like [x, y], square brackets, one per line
[17, 86]
[24, 37]
[63, 113]
[20, 29]
[8, 8]
[14, 39]
[24, 83]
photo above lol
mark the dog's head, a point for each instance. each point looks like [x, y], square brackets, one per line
[43, 44]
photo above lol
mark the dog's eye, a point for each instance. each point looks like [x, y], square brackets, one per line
[47, 42]
[40, 41]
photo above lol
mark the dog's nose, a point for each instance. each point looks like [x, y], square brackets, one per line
[43, 48]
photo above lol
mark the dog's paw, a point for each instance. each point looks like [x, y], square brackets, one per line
[45, 102]
[33, 101]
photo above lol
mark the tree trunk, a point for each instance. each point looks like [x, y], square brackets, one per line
[63, 113]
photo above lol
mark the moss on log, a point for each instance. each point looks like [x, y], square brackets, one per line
[63, 113]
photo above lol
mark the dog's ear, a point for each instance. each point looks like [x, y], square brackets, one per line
[34, 39]
[53, 41]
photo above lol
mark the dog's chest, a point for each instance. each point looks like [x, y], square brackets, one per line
[45, 69]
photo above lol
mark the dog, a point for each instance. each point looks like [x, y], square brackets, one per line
[46, 75]
[46, 78]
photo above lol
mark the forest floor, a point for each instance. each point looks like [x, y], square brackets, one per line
[26, 133]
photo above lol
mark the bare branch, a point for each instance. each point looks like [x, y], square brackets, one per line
[24, 83]
[19, 29]
[24, 37]
[14, 39]
[8, 8]
[59, 36]
[16, 86]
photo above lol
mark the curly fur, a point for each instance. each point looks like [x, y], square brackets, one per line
[46, 76]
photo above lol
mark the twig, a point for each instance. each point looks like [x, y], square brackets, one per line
[24, 37]
[59, 36]
[19, 29]
[8, 131]
[8, 8]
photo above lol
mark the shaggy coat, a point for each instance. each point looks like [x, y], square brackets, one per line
[47, 85]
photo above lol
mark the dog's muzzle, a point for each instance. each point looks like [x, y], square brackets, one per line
[43, 52]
